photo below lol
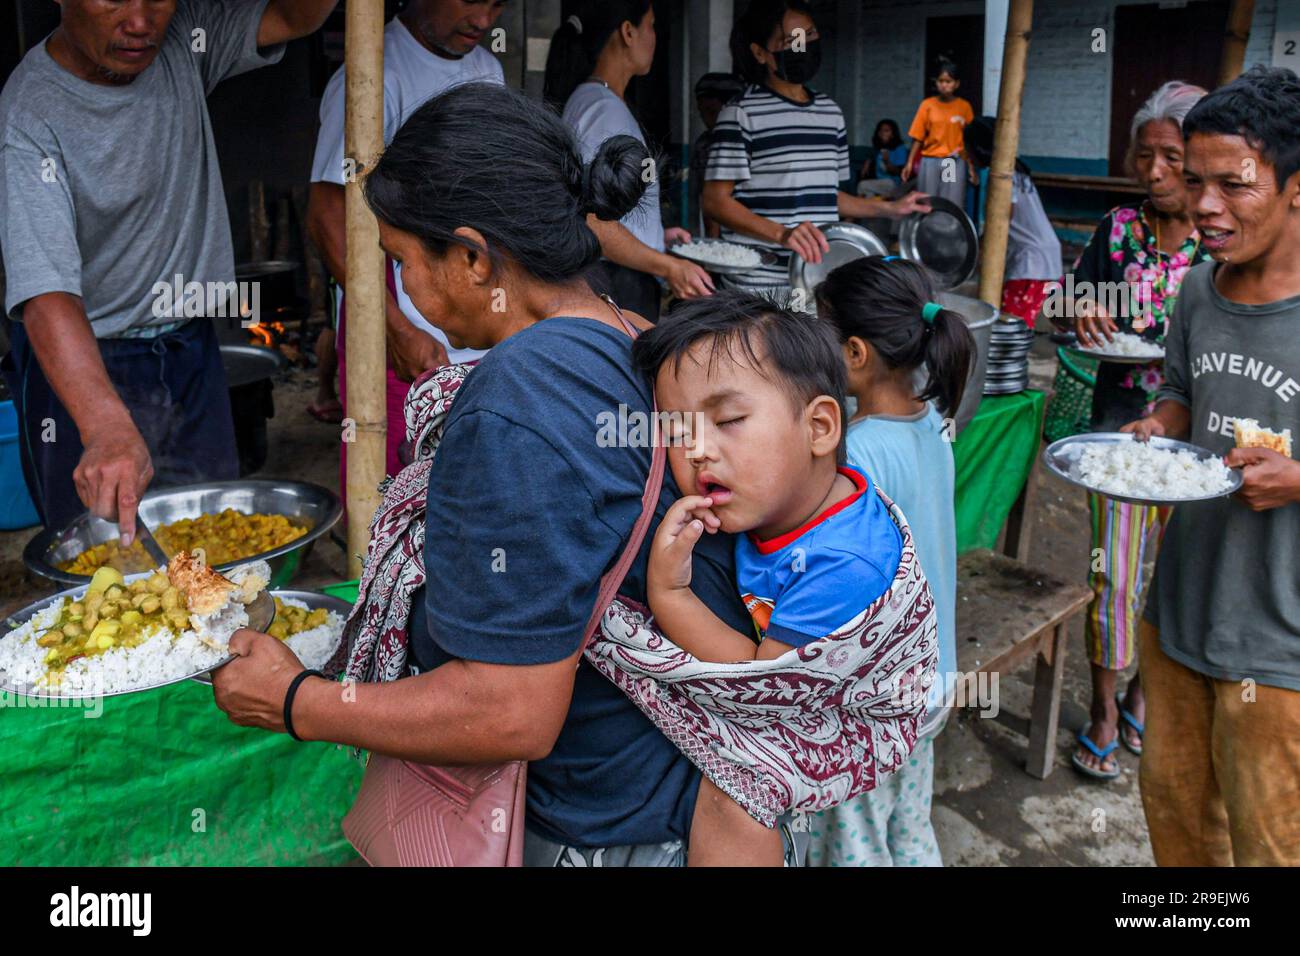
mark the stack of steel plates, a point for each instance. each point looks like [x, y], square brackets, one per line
[1008, 370]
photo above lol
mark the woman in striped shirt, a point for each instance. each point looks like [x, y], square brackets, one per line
[781, 150]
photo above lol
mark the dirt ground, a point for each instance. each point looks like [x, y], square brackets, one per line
[987, 810]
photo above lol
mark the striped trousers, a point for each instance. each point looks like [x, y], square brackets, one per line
[1119, 539]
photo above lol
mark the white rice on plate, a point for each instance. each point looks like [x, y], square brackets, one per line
[315, 647]
[719, 253]
[1128, 345]
[1138, 470]
[164, 657]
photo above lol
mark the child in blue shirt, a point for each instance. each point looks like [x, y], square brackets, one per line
[890, 330]
[763, 392]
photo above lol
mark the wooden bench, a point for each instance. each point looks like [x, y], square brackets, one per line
[1008, 612]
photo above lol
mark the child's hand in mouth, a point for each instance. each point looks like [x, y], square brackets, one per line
[683, 525]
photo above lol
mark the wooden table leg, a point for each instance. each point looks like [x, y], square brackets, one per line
[1046, 711]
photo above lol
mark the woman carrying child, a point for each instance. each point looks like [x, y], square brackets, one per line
[483, 190]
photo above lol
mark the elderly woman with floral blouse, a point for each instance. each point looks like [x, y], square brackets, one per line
[1143, 250]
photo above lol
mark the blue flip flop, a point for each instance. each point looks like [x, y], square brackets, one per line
[1101, 753]
[1133, 722]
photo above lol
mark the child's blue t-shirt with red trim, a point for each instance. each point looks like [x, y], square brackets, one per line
[809, 582]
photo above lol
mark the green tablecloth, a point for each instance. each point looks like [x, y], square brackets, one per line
[164, 778]
[994, 455]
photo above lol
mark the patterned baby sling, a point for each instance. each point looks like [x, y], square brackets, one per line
[802, 732]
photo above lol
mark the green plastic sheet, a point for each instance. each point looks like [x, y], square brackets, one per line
[993, 457]
[163, 778]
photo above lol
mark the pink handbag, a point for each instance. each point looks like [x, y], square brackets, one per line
[410, 814]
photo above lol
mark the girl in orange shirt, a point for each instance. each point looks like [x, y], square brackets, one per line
[936, 135]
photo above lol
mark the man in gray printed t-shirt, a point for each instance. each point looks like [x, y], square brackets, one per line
[110, 191]
[1220, 646]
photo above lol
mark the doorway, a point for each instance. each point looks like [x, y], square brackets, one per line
[1153, 44]
[960, 39]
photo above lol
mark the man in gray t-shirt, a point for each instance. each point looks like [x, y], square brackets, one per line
[110, 192]
[1220, 646]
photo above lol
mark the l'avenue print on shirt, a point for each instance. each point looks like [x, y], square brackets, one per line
[1227, 360]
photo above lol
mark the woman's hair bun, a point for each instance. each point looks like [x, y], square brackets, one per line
[616, 178]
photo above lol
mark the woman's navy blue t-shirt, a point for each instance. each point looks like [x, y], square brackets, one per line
[527, 508]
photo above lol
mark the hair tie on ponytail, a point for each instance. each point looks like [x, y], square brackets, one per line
[930, 312]
[576, 22]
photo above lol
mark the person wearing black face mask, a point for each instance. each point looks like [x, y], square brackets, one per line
[780, 151]
[799, 62]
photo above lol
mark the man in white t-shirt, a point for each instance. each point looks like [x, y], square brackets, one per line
[429, 47]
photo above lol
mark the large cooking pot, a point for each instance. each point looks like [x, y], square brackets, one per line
[979, 316]
[277, 279]
[249, 373]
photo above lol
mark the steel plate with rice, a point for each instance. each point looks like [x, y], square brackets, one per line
[1161, 471]
[721, 257]
[122, 635]
[1125, 348]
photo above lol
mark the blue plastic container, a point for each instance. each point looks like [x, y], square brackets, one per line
[16, 508]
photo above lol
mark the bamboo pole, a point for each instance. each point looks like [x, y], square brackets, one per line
[366, 376]
[997, 211]
[1236, 37]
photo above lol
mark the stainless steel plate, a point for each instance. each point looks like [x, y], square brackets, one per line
[847, 241]
[313, 600]
[765, 257]
[944, 240]
[1117, 359]
[1062, 457]
[304, 504]
[260, 614]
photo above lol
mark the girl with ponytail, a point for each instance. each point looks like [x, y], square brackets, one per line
[895, 336]
[594, 55]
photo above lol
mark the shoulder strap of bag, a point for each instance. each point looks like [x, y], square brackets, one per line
[613, 578]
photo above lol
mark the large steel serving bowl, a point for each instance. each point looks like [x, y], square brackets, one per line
[303, 503]
[979, 316]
